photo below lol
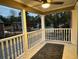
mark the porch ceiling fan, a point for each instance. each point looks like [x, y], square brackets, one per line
[47, 3]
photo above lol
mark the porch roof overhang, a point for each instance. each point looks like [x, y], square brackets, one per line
[31, 7]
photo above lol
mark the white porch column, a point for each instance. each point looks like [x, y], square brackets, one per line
[43, 21]
[74, 26]
[43, 26]
[25, 34]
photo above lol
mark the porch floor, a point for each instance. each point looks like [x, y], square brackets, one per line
[50, 51]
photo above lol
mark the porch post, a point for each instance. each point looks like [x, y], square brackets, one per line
[24, 28]
[74, 25]
[43, 26]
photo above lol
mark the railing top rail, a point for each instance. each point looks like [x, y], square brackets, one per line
[8, 38]
[34, 31]
[57, 28]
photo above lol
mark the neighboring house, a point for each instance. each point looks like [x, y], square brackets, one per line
[1, 28]
[66, 25]
[17, 26]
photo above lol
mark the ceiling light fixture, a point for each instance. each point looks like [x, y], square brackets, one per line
[45, 5]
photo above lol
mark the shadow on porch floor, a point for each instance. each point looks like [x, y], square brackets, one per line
[50, 51]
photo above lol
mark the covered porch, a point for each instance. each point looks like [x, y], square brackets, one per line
[28, 45]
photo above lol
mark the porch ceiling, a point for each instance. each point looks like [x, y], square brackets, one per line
[68, 4]
[35, 6]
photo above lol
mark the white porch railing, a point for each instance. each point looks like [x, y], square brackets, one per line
[59, 34]
[12, 47]
[62, 34]
[34, 37]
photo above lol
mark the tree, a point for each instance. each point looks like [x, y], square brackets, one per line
[57, 19]
[5, 20]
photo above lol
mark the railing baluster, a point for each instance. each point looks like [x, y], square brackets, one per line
[48, 34]
[20, 45]
[57, 34]
[11, 49]
[62, 34]
[3, 54]
[66, 34]
[15, 47]
[22, 38]
[7, 49]
[70, 35]
[53, 33]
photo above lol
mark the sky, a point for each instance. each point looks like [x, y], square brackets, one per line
[6, 11]
[32, 14]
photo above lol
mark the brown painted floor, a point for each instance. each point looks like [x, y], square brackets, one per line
[50, 51]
